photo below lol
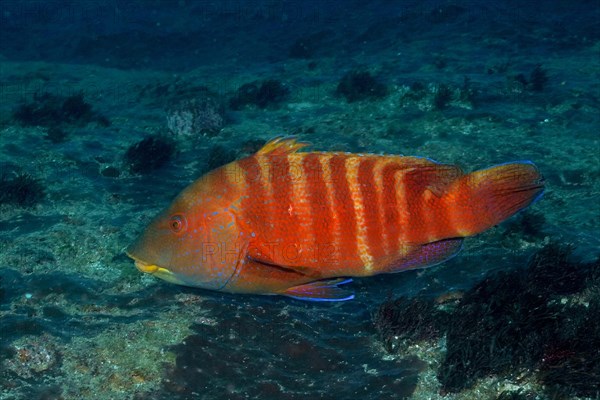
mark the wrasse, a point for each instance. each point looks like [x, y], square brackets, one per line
[300, 224]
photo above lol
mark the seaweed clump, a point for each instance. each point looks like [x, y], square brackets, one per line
[261, 94]
[516, 395]
[403, 321]
[550, 272]
[571, 362]
[536, 82]
[50, 110]
[206, 356]
[360, 85]
[538, 78]
[439, 96]
[509, 322]
[498, 328]
[542, 321]
[149, 154]
[20, 189]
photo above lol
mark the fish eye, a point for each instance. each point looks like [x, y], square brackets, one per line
[178, 223]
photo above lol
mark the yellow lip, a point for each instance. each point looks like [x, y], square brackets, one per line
[147, 268]
[157, 271]
[142, 266]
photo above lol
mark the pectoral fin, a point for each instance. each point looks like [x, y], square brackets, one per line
[325, 290]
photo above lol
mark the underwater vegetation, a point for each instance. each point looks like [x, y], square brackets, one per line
[571, 363]
[512, 323]
[360, 85]
[403, 321]
[536, 82]
[58, 114]
[538, 79]
[261, 94]
[51, 110]
[442, 96]
[516, 395]
[149, 154]
[439, 96]
[20, 189]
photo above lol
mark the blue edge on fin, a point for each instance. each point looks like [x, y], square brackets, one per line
[541, 194]
[326, 290]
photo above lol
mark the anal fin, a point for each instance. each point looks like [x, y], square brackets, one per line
[325, 290]
[427, 255]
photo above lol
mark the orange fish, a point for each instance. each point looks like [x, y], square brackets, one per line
[300, 223]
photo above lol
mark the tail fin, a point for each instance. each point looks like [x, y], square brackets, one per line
[487, 197]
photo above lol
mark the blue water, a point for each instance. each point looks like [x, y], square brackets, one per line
[468, 83]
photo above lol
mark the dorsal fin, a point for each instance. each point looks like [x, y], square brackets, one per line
[281, 145]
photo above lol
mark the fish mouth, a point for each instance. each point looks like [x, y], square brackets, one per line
[141, 265]
[155, 270]
[146, 268]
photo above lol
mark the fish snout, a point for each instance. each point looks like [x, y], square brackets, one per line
[155, 270]
[141, 265]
